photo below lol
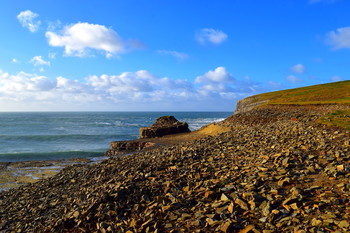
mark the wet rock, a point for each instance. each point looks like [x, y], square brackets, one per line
[164, 126]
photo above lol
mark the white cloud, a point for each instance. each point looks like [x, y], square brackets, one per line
[294, 79]
[138, 86]
[337, 78]
[80, 38]
[216, 82]
[209, 35]
[140, 90]
[15, 85]
[219, 75]
[178, 55]
[14, 60]
[28, 20]
[298, 68]
[339, 39]
[39, 61]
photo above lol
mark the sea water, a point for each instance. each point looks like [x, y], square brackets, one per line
[63, 135]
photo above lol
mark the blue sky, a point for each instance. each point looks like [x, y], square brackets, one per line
[162, 55]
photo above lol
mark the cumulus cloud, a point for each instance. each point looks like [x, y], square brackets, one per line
[39, 61]
[294, 79]
[129, 91]
[14, 85]
[28, 20]
[14, 60]
[298, 68]
[339, 39]
[178, 55]
[138, 86]
[80, 38]
[209, 35]
[23, 90]
[219, 75]
[217, 82]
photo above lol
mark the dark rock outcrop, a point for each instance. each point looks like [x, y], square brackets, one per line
[164, 125]
[122, 147]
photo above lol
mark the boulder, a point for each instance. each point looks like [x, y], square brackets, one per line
[164, 125]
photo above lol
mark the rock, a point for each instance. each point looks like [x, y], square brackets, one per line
[224, 197]
[241, 203]
[316, 222]
[265, 207]
[120, 147]
[247, 229]
[230, 208]
[164, 126]
[226, 227]
[340, 167]
[343, 224]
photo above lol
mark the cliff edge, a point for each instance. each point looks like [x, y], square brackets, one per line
[337, 93]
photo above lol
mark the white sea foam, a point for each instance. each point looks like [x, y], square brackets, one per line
[199, 123]
[103, 123]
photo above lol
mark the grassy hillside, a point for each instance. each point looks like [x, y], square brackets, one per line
[337, 93]
[330, 93]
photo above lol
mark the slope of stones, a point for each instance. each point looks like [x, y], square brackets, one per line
[275, 170]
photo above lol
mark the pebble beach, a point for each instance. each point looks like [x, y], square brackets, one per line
[272, 169]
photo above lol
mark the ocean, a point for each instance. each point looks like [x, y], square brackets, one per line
[63, 135]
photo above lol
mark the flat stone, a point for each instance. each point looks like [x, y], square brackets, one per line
[247, 229]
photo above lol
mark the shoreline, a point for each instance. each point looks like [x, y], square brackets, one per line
[15, 174]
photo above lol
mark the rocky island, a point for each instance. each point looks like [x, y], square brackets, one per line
[281, 163]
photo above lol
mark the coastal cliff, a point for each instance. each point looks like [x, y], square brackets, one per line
[275, 168]
[248, 104]
[336, 93]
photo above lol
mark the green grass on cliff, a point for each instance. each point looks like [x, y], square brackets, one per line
[330, 93]
[340, 118]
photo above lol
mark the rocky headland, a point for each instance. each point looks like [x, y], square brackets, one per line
[271, 168]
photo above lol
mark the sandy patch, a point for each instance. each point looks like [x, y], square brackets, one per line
[14, 174]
